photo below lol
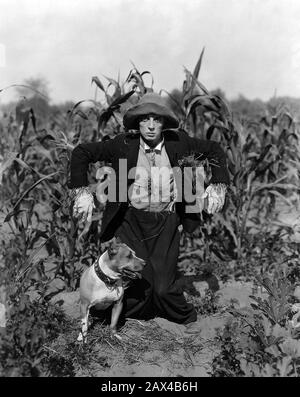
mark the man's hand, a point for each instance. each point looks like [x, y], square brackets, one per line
[215, 194]
[83, 204]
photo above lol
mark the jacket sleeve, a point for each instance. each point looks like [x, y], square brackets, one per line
[213, 152]
[86, 153]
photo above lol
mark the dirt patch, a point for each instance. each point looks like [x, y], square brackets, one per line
[151, 348]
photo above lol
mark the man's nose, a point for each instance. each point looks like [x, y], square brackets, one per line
[151, 123]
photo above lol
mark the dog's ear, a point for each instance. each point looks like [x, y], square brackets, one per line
[113, 247]
[118, 240]
[112, 251]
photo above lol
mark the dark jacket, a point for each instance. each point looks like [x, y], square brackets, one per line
[126, 146]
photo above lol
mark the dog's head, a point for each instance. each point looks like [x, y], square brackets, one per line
[124, 260]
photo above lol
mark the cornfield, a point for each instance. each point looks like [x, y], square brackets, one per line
[41, 254]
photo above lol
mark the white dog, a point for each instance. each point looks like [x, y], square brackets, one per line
[103, 283]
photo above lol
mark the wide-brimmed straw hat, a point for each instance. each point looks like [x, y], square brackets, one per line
[150, 103]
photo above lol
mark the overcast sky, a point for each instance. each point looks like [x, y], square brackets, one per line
[252, 47]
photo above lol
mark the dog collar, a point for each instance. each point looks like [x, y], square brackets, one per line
[109, 282]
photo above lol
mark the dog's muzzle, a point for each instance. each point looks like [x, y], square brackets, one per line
[131, 274]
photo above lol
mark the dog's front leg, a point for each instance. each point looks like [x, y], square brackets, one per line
[115, 314]
[84, 308]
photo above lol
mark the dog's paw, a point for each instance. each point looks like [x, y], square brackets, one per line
[116, 335]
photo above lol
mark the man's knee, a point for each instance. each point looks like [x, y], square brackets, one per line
[161, 292]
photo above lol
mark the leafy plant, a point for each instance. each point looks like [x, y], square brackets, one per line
[29, 326]
[261, 341]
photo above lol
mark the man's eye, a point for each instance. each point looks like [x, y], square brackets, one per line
[155, 119]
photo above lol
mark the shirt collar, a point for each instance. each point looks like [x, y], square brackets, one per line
[158, 147]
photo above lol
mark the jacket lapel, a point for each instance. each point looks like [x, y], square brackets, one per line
[132, 151]
[171, 148]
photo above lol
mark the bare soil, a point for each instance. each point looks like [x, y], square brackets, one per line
[151, 348]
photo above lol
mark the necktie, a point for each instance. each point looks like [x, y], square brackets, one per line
[151, 153]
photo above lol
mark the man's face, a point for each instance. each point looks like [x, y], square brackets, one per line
[151, 126]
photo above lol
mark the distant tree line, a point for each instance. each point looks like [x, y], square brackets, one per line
[34, 93]
[244, 108]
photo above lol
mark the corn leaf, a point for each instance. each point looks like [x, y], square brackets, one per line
[197, 82]
[81, 114]
[286, 199]
[147, 72]
[228, 227]
[121, 99]
[28, 263]
[24, 86]
[197, 70]
[98, 83]
[70, 112]
[179, 106]
[6, 162]
[12, 213]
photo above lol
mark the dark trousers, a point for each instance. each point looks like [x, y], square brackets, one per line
[155, 238]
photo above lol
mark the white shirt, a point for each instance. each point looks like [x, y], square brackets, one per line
[154, 186]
